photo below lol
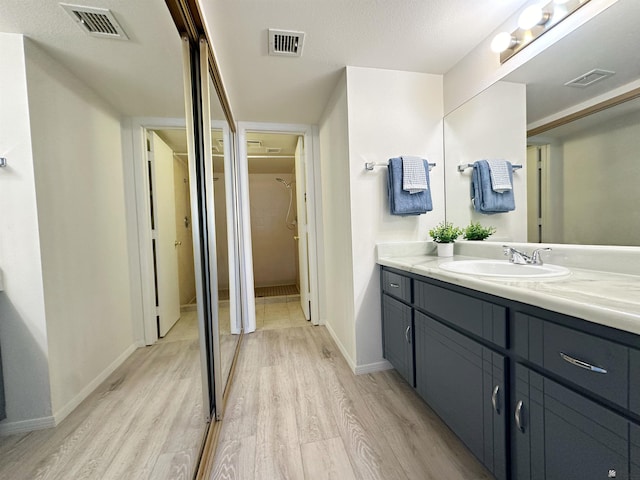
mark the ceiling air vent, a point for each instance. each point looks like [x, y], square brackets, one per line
[589, 78]
[273, 150]
[98, 22]
[285, 43]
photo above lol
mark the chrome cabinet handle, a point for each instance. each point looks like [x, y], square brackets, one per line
[394, 285]
[494, 399]
[406, 334]
[518, 416]
[581, 364]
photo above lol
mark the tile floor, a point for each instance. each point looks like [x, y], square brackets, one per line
[279, 312]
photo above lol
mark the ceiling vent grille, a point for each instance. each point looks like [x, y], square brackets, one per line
[285, 43]
[273, 150]
[98, 22]
[589, 78]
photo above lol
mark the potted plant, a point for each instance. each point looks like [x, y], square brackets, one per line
[444, 234]
[475, 231]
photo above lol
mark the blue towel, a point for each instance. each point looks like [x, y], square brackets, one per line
[402, 202]
[484, 198]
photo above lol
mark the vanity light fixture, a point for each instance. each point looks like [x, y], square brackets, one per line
[503, 41]
[534, 21]
[533, 16]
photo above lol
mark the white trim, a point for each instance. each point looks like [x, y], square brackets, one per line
[244, 236]
[25, 426]
[141, 258]
[311, 151]
[343, 350]
[373, 367]
[62, 413]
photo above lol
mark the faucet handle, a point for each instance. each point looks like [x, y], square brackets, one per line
[535, 256]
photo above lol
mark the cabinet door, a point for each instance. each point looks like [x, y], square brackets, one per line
[464, 384]
[561, 435]
[397, 334]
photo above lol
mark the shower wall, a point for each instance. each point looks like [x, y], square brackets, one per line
[274, 248]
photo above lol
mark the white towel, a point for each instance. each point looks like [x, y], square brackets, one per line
[414, 175]
[499, 173]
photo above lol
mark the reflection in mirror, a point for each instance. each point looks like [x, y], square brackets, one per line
[223, 189]
[583, 179]
[491, 125]
[583, 200]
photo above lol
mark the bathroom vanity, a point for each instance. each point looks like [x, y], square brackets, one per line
[532, 391]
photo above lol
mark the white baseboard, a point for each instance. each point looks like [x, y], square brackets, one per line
[62, 413]
[358, 369]
[24, 426]
[373, 367]
[350, 362]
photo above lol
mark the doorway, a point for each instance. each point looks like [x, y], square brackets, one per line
[278, 216]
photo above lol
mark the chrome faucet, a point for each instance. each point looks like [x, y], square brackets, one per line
[521, 258]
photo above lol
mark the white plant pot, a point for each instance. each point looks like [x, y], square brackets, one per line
[445, 249]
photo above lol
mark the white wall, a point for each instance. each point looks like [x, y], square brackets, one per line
[23, 333]
[373, 115]
[491, 125]
[391, 113]
[601, 169]
[337, 280]
[77, 155]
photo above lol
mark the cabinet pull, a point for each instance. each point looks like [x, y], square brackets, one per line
[406, 334]
[494, 399]
[518, 416]
[394, 285]
[581, 364]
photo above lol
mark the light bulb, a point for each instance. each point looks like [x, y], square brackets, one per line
[561, 2]
[502, 41]
[532, 16]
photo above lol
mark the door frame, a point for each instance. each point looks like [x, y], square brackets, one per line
[311, 143]
[144, 327]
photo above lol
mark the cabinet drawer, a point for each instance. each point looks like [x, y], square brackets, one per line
[596, 364]
[397, 285]
[481, 318]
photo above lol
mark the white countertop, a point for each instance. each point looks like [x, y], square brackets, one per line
[606, 298]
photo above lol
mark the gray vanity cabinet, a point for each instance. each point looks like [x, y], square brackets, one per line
[534, 394]
[558, 434]
[464, 383]
[397, 336]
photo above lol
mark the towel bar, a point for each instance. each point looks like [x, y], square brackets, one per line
[462, 168]
[371, 165]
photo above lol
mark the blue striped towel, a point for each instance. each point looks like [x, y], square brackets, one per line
[499, 171]
[414, 175]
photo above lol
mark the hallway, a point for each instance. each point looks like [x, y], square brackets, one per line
[296, 411]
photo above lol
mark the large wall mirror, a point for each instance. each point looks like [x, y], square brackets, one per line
[580, 176]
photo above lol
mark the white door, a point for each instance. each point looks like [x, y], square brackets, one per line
[303, 249]
[165, 236]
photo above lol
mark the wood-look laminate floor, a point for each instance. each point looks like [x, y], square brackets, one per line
[296, 411]
[144, 422]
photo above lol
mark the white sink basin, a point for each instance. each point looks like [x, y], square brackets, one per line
[502, 268]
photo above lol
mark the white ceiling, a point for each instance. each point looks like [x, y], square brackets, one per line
[139, 77]
[427, 36]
